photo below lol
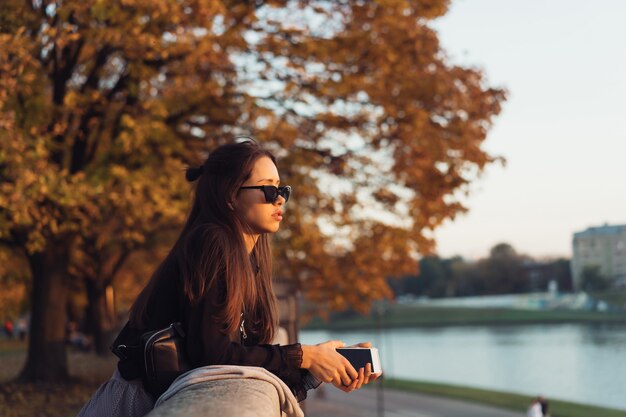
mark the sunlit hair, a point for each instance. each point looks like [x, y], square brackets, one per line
[211, 245]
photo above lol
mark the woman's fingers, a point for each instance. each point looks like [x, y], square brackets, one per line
[352, 373]
[345, 388]
[367, 373]
[337, 343]
[339, 385]
[345, 378]
[349, 369]
[361, 379]
[362, 344]
[365, 376]
[354, 385]
[374, 377]
[349, 383]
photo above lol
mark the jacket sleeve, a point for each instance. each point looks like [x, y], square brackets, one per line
[208, 345]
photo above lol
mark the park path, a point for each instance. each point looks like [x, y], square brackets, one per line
[331, 402]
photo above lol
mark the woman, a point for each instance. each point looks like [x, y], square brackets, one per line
[216, 280]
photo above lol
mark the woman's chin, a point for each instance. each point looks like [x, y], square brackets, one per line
[271, 228]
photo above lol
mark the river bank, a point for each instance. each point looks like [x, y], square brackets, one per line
[399, 316]
[512, 401]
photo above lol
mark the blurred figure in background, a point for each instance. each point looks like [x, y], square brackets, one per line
[75, 338]
[8, 328]
[534, 410]
[544, 406]
[22, 328]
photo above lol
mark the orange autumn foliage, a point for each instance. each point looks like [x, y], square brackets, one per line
[102, 104]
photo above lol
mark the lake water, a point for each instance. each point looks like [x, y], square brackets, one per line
[575, 362]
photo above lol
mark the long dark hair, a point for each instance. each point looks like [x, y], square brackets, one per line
[211, 244]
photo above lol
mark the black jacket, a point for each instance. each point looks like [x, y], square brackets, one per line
[207, 344]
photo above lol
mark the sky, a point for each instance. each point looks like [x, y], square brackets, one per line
[562, 129]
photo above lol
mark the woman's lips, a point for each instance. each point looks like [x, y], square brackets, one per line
[278, 216]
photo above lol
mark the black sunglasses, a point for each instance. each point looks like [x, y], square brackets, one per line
[272, 192]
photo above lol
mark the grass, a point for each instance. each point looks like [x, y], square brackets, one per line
[617, 298]
[500, 399]
[87, 370]
[413, 316]
[11, 347]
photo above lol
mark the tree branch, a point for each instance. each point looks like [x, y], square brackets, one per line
[101, 57]
[61, 74]
[119, 263]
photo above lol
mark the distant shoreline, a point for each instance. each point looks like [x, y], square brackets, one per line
[411, 316]
[512, 401]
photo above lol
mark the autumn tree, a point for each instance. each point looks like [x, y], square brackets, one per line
[96, 131]
[13, 284]
[383, 134]
[103, 103]
[100, 253]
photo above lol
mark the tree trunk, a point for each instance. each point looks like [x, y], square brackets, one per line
[99, 322]
[47, 357]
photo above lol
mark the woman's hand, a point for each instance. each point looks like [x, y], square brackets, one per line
[327, 365]
[365, 375]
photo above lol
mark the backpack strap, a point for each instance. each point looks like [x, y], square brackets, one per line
[127, 347]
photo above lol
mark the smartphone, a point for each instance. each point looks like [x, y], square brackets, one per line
[360, 356]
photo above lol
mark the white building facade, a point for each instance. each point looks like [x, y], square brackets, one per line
[604, 247]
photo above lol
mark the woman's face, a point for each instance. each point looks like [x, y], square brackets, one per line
[250, 204]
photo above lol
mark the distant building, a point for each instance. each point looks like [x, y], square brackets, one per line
[604, 247]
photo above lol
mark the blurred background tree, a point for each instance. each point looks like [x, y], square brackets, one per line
[504, 271]
[593, 279]
[103, 104]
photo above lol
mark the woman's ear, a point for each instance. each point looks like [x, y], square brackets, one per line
[230, 205]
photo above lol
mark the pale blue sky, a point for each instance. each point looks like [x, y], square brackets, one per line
[562, 130]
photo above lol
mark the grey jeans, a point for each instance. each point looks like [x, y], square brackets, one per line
[118, 397]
